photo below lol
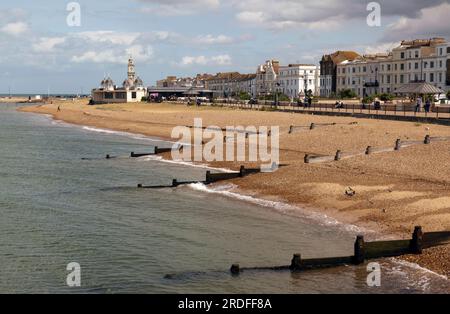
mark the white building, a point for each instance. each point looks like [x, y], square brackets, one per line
[412, 61]
[231, 84]
[295, 79]
[132, 89]
[266, 78]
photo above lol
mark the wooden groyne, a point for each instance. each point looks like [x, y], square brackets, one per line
[363, 251]
[156, 151]
[398, 145]
[313, 126]
[210, 178]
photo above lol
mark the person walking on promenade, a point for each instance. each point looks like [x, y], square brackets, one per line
[419, 104]
[427, 105]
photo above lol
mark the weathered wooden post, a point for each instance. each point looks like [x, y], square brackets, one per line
[359, 256]
[208, 177]
[427, 140]
[307, 159]
[291, 129]
[132, 154]
[235, 269]
[156, 150]
[398, 144]
[338, 156]
[108, 157]
[139, 186]
[242, 172]
[417, 241]
[174, 183]
[296, 263]
[369, 150]
[313, 126]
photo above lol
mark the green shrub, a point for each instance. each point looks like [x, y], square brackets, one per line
[346, 94]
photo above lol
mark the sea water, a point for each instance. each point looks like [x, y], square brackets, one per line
[62, 202]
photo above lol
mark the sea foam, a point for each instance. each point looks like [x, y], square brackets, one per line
[281, 207]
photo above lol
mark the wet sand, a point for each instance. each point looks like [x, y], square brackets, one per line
[395, 191]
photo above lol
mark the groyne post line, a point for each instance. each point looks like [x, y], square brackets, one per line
[235, 269]
[296, 263]
[417, 241]
[427, 140]
[398, 144]
[359, 256]
[338, 155]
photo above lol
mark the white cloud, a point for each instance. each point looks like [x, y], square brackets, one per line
[48, 44]
[220, 60]
[430, 22]
[213, 40]
[119, 56]
[112, 37]
[178, 7]
[15, 28]
[288, 14]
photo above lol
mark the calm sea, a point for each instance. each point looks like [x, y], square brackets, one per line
[56, 208]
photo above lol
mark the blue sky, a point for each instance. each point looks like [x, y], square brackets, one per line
[40, 51]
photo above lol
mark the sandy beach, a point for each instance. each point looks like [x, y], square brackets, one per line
[395, 191]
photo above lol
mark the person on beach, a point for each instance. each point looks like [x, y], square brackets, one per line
[427, 105]
[59, 108]
[419, 104]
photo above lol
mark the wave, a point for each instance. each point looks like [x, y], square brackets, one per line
[284, 208]
[126, 134]
[184, 163]
[417, 267]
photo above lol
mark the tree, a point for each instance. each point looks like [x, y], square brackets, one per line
[346, 94]
[386, 97]
[244, 96]
[368, 100]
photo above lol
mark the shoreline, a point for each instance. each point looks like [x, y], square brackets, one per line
[245, 188]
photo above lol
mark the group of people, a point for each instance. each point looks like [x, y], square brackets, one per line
[420, 106]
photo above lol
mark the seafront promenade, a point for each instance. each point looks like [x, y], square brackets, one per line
[399, 112]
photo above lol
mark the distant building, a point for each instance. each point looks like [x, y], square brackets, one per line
[294, 79]
[420, 60]
[266, 77]
[328, 71]
[173, 81]
[132, 89]
[231, 84]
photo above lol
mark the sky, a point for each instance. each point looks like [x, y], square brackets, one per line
[44, 47]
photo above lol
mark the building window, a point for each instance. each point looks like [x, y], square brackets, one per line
[402, 66]
[133, 95]
[402, 80]
[416, 65]
[431, 77]
[416, 54]
[402, 55]
[432, 64]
